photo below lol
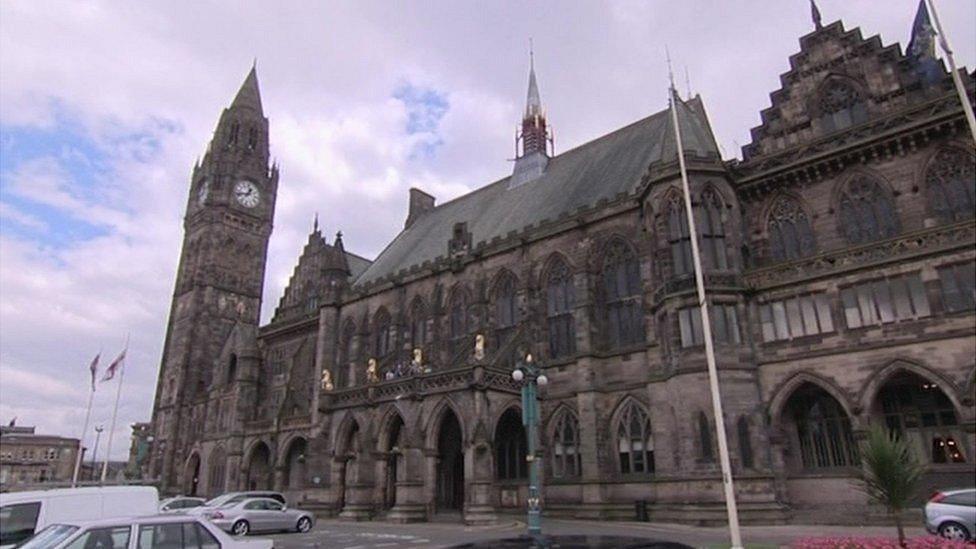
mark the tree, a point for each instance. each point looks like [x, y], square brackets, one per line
[890, 474]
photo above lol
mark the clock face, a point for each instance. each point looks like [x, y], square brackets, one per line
[204, 192]
[247, 193]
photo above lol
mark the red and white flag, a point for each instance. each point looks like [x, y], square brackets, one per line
[115, 366]
[94, 369]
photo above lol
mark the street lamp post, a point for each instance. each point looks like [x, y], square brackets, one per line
[530, 375]
[98, 435]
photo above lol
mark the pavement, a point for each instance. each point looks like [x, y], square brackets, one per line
[336, 534]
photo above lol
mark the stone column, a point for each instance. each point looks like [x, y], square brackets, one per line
[410, 500]
[359, 488]
[479, 491]
[593, 489]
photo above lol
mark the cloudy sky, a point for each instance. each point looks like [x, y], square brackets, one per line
[104, 108]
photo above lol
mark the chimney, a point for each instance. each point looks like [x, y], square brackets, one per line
[420, 204]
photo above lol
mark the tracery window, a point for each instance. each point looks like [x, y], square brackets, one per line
[841, 104]
[458, 323]
[621, 280]
[635, 445]
[566, 446]
[679, 239]
[951, 181]
[559, 311]
[866, 212]
[505, 311]
[511, 447]
[383, 344]
[705, 437]
[917, 410]
[418, 325]
[712, 231]
[790, 235]
[822, 429]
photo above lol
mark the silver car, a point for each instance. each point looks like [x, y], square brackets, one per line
[259, 515]
[952, 514]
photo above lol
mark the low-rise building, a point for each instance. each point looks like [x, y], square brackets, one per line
[28, 459]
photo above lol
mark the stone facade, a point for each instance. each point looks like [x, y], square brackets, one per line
[838, 259]
[29, 461]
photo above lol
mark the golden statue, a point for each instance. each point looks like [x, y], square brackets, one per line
[479, 347]
[372, 376]
[327, 380]
[418, 357]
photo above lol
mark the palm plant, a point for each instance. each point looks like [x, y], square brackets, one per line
[890, 474]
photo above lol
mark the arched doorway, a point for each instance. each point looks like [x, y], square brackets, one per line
[919, 411]
[450, 464]
[394, 459]
[348, 454]
[293, 477]
[818, 429]
[191, 475]
[510, 447]
[259, 468]
[217, 472]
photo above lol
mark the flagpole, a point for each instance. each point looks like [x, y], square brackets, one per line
[960, 87]
[81, 440]
[115, 410]
[723, 446]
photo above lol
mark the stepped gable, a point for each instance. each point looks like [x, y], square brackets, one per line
[839, 79]
[602, 169]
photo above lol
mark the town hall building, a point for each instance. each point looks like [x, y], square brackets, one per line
[838, 256]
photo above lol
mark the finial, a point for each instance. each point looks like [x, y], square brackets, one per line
[254, 65]
[687, 82]
[338, 240]
[315, 223]
[667, 54]
[815, 14]
[531, 55]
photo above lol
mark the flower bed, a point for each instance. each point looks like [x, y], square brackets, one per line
[847, 542]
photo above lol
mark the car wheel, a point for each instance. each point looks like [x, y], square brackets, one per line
[240, 528]
[954, 531]
[304, 524]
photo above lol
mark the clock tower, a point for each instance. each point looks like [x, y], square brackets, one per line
[213, 320]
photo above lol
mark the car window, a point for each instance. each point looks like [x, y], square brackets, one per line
[272, 505]
[17, 522]
[207, 540]
[161, 536]
[962, 498]
[192, 503]
[113, 537]
[278, 497]
[254, 505]
[50, 536]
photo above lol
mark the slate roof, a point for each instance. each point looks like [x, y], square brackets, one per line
[580, 177]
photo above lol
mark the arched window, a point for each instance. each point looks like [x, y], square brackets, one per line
[951, 182]
[252, 138]
[505, 311]
[381, 332]
[790, 235]
[635, 446]
[459, 324]
[565, 446]
[418, 325]
[235, 129]
[866, 212]
[712, 230]
[621, 281]
[510, 447]
[841, 105]
[918, 411]
[821, 429]
[232, 369]
[559, 311]
[343, 377]
[745, 443]
[705, 437]
[678, 238]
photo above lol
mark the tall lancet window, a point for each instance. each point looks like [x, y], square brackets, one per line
[559, 311]
[712, 230]
[951, 181]
[678, 238]
[621, 280]
[790, 235]
[866, 212]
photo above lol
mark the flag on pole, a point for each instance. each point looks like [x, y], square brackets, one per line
[94, 369]
[115, 366]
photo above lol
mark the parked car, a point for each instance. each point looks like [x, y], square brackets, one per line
[154, 532]
[260, 515]
[231, 497]
[180, 504]
[23, 513]
[952, 514]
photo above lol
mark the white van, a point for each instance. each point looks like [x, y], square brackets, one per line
[23, 513]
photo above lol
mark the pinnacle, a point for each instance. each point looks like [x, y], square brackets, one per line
[249, 96]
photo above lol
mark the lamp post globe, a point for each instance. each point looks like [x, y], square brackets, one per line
[518, 374]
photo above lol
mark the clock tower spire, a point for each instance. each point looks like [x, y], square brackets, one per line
[211, 336]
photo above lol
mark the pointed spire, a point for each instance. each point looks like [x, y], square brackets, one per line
[249, 96]
[533, 103]
[815, 14]
[922, 43]
[315, 223]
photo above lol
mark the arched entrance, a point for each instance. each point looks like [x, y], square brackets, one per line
[920, 412]
[394, 459]
[450, 464]
[510, 447]
[217, 472]
[348, 454]
[819, 430]
[191, 475]
[259, 468]
[293, 476]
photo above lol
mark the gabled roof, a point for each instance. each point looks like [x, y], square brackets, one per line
[577, 178]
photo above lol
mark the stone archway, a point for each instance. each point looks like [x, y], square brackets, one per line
[293, 471]
[191, 475]
[450, 464]
[258, 475]
[393, 465]
[818, 430]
